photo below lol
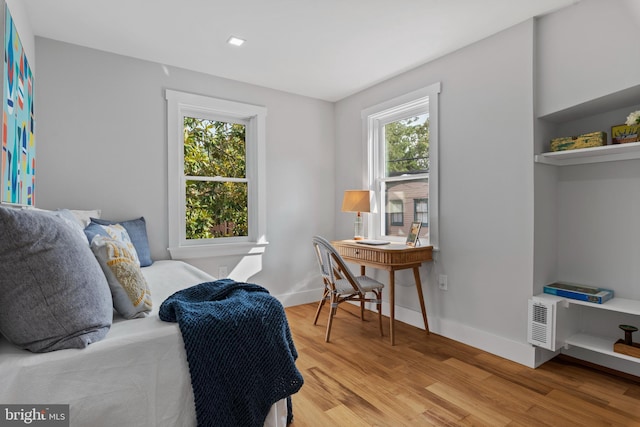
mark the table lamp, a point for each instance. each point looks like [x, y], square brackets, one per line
[357, 201]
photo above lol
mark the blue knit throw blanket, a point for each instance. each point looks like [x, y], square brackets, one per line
[239, 348]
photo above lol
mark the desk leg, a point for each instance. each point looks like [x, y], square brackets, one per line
[392, 306]
[363, 271]
[416, 275]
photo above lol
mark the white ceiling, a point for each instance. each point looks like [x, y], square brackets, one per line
[326, 49]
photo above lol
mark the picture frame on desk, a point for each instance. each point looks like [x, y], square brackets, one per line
[414, 231]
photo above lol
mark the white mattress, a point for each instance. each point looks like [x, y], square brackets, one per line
[137, 376]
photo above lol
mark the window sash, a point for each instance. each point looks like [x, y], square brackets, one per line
[219, 118]
[214, 117]
[387, 215]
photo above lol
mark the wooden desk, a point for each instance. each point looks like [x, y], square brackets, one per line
[392, 257]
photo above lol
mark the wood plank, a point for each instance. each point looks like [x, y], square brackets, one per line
[476, 405]
[360, 379]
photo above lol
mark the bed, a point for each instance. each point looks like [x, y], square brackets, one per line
[136, 375]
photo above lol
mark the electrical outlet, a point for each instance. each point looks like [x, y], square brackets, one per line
[223, 272]
[442, 282]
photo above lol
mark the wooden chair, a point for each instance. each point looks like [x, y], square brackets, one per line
[341, 285]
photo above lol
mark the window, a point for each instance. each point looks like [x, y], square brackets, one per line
[402, 147]
[396, 213]
[216, 176]
[421, 211]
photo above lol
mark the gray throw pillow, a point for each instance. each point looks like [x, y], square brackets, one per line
[53, 293]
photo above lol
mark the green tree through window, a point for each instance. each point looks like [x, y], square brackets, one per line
[215, 175]
[407, 146]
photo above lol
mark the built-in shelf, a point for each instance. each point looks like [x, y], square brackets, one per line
[603, 345]
[606, 153]
[620, 305]
[597, 344]
[569, 333]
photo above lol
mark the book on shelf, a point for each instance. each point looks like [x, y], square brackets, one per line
[579, 292]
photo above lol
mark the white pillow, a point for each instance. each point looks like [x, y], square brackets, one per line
[116, 232]
[85, 216]
[129, 289]
[72, 221]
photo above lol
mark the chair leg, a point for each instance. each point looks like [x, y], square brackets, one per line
[379, 307]
[332, 311]
[362, 307]
[321, 304]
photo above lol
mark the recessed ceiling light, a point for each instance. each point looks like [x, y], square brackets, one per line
[236, 41]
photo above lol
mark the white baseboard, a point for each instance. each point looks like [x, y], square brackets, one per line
[299, 298]
[519, 352]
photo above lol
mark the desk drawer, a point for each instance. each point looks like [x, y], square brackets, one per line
[386, 257]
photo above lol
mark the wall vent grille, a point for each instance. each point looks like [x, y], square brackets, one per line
[541, 324]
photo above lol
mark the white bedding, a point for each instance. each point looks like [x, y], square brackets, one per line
[137, 376]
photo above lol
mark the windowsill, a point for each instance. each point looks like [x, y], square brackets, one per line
[217, 250]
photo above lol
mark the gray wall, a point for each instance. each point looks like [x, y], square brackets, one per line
[492, 91]
[587, 51]
[486, 187]
[101, 143]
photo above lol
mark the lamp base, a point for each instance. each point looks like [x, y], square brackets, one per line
[358, 228]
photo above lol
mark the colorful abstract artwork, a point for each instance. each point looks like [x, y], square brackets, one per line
[18, 165]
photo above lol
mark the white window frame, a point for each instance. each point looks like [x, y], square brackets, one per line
[374, 118]
[181, 104]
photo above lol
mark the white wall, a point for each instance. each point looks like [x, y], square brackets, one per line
[587, 50]
[102, 143]
[486, 188]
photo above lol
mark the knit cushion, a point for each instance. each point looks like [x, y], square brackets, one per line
[53, 294]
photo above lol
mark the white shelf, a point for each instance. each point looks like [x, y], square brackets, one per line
[597, 344]
[620, 305]
[606, 153]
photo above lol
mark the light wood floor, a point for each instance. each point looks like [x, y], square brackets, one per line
[358, 379]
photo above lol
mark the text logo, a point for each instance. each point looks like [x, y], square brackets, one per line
[34, 415]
